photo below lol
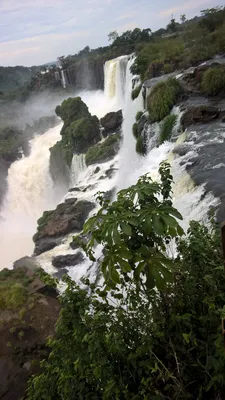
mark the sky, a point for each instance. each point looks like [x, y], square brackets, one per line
[34, 32]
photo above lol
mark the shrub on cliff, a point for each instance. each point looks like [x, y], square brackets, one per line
[162, 98]
[137, 342]
[141, 147]
[135, 92]
[71, 110]
[81, 134]
[138, 115]
[104, 151]
[213, 80]
[166, 127]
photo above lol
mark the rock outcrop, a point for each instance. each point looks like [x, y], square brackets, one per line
[67, 260]
[104, 151]
[54, 225]
[201, 114]
[111, 122]
[29, 310]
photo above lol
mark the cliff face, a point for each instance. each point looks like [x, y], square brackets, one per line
[86, 75]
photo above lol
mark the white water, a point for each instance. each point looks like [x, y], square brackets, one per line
[31, 190]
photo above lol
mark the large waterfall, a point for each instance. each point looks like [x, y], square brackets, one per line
[31, 191]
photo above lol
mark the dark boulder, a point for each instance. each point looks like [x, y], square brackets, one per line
[112, 122]
[75, 189]
[97, 169]
[201, 114]
[27, 262]
[67, 260]
[67, 217]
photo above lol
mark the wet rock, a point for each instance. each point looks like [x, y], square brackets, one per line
[23, 344]
[75, 189]
[182, 149]
[67, 260]
[108, 195]
[97, 169]
[28, 262]
[201, 114]
[67, 217]
[45, 244]
[112, 122]
[59, 274]
[110, 172]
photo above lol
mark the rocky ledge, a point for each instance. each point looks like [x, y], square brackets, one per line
[29, 310]
[111, 122]
[55, 224]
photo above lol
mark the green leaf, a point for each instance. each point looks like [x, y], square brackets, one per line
[125, 253]
[126, 228]
[114, 275]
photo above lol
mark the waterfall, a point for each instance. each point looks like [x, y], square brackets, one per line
[78, 167]
[63, 79]
[30, 192]
[115, 80]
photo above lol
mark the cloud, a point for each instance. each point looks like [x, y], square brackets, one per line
[128, 15]
[189, 5]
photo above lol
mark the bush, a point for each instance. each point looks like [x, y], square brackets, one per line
[13, 293]
[168, 68]
[71, 110]
[132, 341]
[104, 151]
[213, 80]
[141, 147]
[135, 130]
[138, 115]
[162, 98]
[166, 127]
[81, 134]
[41, 222]
[136, 91]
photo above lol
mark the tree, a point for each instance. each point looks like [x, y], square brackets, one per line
[172, 26]
[212, 18]
[183, 18]
[112, 36]
[134, 342]
[134, 231]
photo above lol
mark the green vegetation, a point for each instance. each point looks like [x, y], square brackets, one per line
[42, 221]
[213, 80]
[138, 115]
[11, 139]
[191, 42]
[141, 147]
[81, 134]
[162, 98]
[13, 289]
[104, 151]
[167, 127]
[137, 342]
[135, 92]
[71, 110]
[135, 130]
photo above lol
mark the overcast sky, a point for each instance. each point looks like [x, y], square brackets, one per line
[33, 32]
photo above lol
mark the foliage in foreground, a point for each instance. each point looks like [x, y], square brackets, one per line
[162, 98]
[213, 80]
[131, 341]
[167, 127]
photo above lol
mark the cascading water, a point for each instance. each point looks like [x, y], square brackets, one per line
[78, 167]
[30, 187]
[30, 192]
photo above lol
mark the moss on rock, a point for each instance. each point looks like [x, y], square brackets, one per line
[136, 91]
[71, 110]
[166, 127]
[104, 151]
[213, 80]
[141, 147]
[162, 98]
